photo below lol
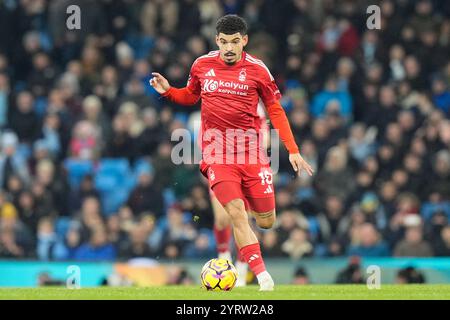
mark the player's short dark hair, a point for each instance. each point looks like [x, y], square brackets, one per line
[231, 24]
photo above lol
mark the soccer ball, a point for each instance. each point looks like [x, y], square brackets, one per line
[218, 275]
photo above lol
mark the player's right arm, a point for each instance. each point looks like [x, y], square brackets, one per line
[188, 95]
[184, 96]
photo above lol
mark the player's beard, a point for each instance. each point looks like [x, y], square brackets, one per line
[230, 63]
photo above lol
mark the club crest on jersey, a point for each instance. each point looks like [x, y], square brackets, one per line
[211, 174]
[242, 75]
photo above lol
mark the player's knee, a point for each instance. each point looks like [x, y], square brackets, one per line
[236, 209]
[265, 220]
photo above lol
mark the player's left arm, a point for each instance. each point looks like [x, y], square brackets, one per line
[280, 122]
[270, 94]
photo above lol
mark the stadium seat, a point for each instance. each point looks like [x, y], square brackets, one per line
[77, 169]
[429, 209]
[118, 166]
[113, 200]
[115, 180]
[105, 182]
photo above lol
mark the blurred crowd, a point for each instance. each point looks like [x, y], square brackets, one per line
[370, 110]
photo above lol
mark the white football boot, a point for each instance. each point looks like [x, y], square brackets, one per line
[265, 281]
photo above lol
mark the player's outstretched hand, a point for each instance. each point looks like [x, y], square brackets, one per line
[298, 163]
[160, 83]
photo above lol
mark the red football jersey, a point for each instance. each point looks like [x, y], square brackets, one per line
[230, 96]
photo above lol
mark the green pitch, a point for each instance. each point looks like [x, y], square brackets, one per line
[290, 292]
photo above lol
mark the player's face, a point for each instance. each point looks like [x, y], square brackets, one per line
[231, 46]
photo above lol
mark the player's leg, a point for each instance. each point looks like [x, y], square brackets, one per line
[242, 269]
[222, 222]
[230, 195]
[259, 192]
[222, 233]
[261, 210]
[222, 228]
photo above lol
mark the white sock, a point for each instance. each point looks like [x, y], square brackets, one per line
[242, 269]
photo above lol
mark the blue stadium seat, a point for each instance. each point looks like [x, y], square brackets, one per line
[115, 180]
[119, 166]
[77, 169]
[113, 200]
[105, 182]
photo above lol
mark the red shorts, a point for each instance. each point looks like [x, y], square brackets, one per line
[250, 182]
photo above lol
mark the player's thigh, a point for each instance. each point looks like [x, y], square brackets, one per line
[229, 195]
[260, 193]
[228, 191]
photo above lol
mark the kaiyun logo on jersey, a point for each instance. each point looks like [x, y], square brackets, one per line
[210, 85]
[229, 87]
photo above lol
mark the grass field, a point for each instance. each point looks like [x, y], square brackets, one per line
[289, 292]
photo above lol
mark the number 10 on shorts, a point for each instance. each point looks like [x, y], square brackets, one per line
[266, 177]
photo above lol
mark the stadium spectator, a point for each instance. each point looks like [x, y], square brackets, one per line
[410, 275]
[297, 246]
[301, 276]
[442, 245]
[332, 98]
[201, 248]
[146, 196]
[271, 244]
[413, 244]
[352, 273]
[366, 242]
[137, 245]
[49, 245]
[11, 161]
[97, 249]
[336, 178]
[23, 119]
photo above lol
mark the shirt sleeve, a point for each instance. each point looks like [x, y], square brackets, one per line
[281, 123]
[267, 88]
[193, 82]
